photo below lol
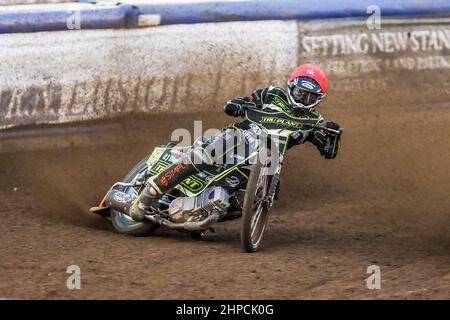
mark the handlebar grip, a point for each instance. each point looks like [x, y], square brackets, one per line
[336, 131]
[339, 131]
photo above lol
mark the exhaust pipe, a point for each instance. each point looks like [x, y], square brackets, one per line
[188, 225]
[118, 200]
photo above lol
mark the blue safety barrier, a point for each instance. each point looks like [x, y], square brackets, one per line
[289, 9]
[63, 19]
[45, 18]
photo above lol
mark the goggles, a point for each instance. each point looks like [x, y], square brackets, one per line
[304, 97]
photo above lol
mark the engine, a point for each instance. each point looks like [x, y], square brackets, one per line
[198, 208]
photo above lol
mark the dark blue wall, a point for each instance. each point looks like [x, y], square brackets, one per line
[121, 16]
[93, 18]
[290, 9]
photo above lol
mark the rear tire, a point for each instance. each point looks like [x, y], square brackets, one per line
[122, 222]
[255, 214]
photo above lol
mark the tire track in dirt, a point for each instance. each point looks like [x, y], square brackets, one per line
[382, 201]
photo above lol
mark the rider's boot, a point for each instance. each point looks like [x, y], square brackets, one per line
[143, 203]
[160, 184]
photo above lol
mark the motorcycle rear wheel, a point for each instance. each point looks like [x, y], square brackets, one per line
[123, 223]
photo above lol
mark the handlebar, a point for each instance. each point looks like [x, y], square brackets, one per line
[246, 108]
[322, 127]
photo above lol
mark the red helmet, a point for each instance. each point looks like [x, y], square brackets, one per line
[307, 86]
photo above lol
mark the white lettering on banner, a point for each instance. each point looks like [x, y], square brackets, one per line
[377, 65]
[376, 42]
[350, 54]
[350, 84]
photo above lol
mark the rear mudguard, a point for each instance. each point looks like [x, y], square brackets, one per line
[103, 212]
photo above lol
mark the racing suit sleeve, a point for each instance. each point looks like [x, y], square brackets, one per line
[236, 107]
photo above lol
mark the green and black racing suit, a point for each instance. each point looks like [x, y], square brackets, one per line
[271, 99]
[275, 99]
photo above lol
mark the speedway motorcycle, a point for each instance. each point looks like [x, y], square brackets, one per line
[246, 189]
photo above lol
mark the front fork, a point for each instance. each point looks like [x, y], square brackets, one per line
[273, 190]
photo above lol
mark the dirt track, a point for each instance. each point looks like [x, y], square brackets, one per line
[384, 201]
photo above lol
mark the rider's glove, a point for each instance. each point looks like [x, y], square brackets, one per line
[237, 107]
[332, 125]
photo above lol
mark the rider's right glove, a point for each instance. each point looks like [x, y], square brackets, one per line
[237, 107]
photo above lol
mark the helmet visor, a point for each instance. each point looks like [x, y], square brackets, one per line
[304, 97]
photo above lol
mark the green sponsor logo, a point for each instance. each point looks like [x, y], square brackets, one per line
[159, 167]
[280, 103]
[156, 153]
[193, 184]
[286, 122]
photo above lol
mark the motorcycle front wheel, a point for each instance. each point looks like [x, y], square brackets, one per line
[255, 211]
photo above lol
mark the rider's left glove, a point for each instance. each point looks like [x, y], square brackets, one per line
[332, 125]
[237, 107]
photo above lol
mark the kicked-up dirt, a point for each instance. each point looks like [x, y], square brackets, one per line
[384, 201]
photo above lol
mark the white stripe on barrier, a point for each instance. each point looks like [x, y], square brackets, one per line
[149, 20]
[46, 7]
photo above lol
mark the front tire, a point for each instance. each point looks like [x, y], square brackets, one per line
[122, 222]
[255, 211]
